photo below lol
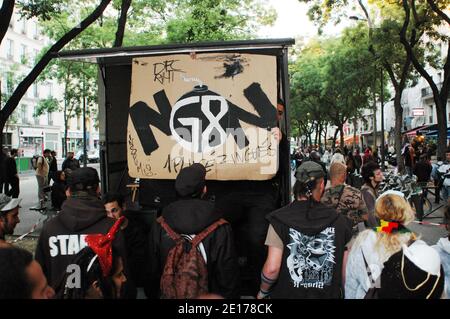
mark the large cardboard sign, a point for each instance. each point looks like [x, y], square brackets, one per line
[218, 109]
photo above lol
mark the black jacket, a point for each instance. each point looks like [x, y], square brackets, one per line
[314, 238]
[53, 167]
[72, 164]
[63, 236]
[191, 216]
[136, 244]
[423, 171]
[58, 194]
[10, 169]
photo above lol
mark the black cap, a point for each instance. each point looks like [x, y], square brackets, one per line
[309, 171]
[86, 176]
[191, 180]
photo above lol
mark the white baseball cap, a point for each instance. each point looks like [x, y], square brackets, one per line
[8, 203]
[424, 257]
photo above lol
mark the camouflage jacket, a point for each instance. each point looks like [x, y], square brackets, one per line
[346, 200]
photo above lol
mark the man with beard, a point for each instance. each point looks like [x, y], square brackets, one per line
[9, 217]
[306, 241]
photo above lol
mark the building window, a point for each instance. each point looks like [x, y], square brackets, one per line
[7, 139]
[23, 28]
[51, 141]
[24, 113]
[430, 114]
[35, 31]
[35, 55]
[37, 120]
[35, 90]
[50, 118]
[23, 54]
[79, 123]
[9, 83]
[10, 49]
[50, 90]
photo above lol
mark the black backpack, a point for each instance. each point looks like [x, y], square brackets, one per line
[34, 161]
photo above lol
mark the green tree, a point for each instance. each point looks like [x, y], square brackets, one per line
[428, 18]
[209, 20]
[331, 82]
[42, 9]
[385, 46]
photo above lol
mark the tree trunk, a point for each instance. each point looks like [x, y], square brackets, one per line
[6, 12]
[398, 131]
[121, 23]
[441, 111]
[317, 133]
[23, 86]
[355, 128]
[320, 134]
[341, 128]
[334, 138]
[65, 126]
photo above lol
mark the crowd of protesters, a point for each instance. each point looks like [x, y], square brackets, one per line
[334, 240]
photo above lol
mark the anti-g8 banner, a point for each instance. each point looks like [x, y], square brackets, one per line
[217, 109]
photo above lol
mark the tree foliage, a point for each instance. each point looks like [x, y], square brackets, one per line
[331, 82]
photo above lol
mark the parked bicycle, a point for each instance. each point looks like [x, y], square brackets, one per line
[415, 193]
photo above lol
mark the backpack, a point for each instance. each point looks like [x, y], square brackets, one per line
[34, 161]
[185, 275]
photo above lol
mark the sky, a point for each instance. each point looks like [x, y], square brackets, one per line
[293, 22]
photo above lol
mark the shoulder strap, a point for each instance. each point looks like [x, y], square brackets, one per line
[369, 272]
[198, 239]
[340, 196]
[172, 234]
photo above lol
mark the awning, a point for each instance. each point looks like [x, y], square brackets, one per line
[414, 131]
[434, 133]
[431, 131]
[349, 139]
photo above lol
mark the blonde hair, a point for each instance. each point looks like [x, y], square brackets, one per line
[337, 169]
[393, 207]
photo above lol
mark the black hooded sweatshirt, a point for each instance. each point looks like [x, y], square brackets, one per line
[314, 238]
[192, 216]
[63, 236]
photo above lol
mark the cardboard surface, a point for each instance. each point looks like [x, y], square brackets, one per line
[215, 108]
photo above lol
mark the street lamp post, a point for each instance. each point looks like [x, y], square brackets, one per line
[84, 122]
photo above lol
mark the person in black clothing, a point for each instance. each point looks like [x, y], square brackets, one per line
[70, 162]
[101, 273]
[136, 240]
[64, 235]
[11, 177]
[423, 172]
[59, 190]
[306, 242]
[190, 215]
[53, 167]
